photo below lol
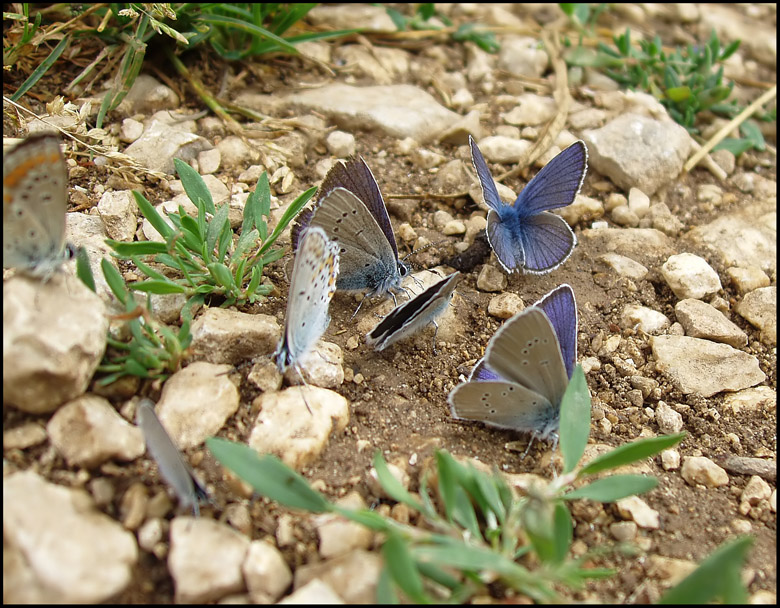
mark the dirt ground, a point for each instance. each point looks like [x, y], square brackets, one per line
[401, 406]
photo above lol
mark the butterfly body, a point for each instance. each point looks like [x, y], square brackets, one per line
[524, 235]
[34, 206]
[520, 382]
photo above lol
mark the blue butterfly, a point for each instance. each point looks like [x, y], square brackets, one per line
[527, 366]
[352, 213]
[524, 235]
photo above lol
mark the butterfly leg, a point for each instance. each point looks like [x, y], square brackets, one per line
[358, 308]
[530, 443]
[300, 374]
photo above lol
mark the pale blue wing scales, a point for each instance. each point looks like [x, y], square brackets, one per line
[504, 405]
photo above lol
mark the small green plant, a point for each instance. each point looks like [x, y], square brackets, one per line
[421, 20]
[200, 257]
[125, 32]
[153, 351]
[582, 15]
[479, 530]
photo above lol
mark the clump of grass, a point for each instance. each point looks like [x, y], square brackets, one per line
[153, 351]
[200, 257]
[423, 19]
[125, 32]
[476, 529]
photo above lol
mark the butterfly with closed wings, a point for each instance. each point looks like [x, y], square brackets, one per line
[527, 366]
[312, 285]
[35, 202]
[411, 316]
[352, 213]
[173, 468]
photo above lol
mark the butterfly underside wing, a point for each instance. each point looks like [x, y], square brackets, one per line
[359, 222]
[312, 285]
[366, 258]
[520, 382]
[34, 205]
[170, 461]
[411, 316]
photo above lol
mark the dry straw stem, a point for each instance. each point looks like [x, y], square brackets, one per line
[563, 102]
[732, 124]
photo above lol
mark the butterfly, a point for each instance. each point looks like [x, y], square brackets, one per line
[411, 316]
[35, 201]
[525, 235]
[312, 285]
[352, 213]
[527, 366]
[172, 465]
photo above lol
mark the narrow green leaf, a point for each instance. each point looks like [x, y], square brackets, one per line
[268, 475]
[403, 570]
[216, 226]
[752, 132]
[115, 281]
[222, 275]
[385, 592]
[563, 532]
[716, 578]
[137, 248]
[151, 214]
[630, 452]
[83, 269]
[615, 487]
[194, 186]
[735, 146]
[292, 210]
[678, 94]
[391, 485]
[575, 420]
[44, 66]
[157, 286]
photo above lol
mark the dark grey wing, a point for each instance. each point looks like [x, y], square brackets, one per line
[411, 316]
[354, 175]
[504, 405]
[170, 461]
[366, 260]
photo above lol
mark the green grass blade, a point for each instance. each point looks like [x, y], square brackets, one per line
[575, 420]
[631, 452]
[403, 570]
[83, 269]
[38, 72]
[151, 214]
[194, 186]
[717, 577]
[268, 475]
[614, 488]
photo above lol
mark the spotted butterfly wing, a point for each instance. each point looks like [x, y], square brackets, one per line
[312, 285]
